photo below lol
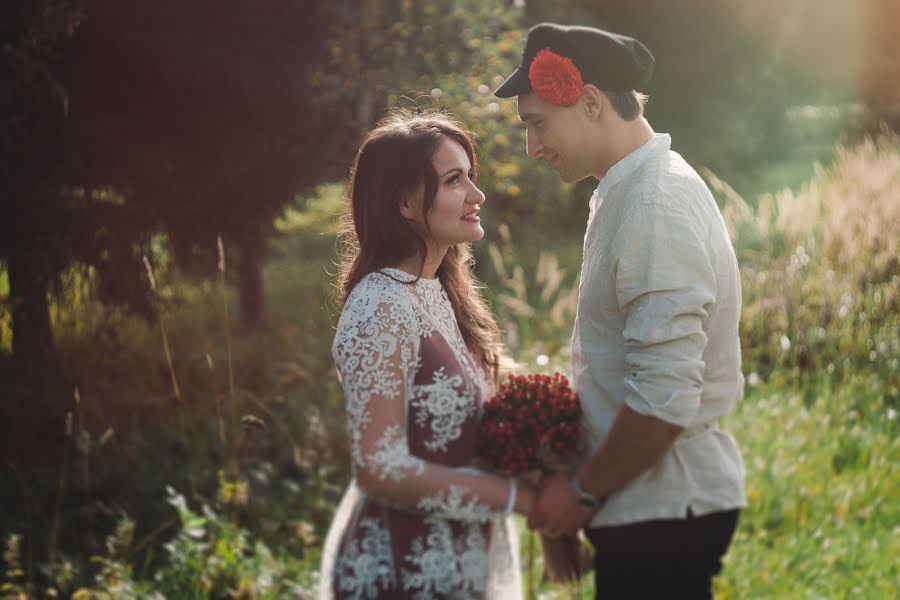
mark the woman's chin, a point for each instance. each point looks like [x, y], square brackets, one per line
[472, 233]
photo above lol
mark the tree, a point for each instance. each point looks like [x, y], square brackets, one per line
[211, 117]
[46, 224]
[197, 119]
[200, 112]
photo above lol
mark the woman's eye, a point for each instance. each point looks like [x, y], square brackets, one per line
[453, 179]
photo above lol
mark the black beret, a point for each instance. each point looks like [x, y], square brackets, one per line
[612, 62]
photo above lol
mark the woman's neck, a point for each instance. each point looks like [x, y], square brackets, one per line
[429, 270]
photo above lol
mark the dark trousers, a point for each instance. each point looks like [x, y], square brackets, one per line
[666, 559]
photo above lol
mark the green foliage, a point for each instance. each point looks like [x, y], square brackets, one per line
[113, 579]
[211, 556]
[534, 311]
[823, 509]
[820, 271]
[12, 587]
[400, 54]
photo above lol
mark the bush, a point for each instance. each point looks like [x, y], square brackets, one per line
[820, 269]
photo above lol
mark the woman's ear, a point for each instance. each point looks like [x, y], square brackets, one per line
[407, 208]
[411, 204]
[592, 101]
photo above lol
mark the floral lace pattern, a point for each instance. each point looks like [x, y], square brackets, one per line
[366, 564]
[373, 337]
[413, 523]
[454, 505]
[391, 460]
[447, 565]
[444, 408]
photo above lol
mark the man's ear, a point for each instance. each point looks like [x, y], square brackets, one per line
[592, 100]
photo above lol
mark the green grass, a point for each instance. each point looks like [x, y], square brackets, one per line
[823, 466]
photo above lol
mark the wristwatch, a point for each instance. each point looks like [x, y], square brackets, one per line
[586, 500]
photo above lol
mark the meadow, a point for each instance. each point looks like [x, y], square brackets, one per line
[203, 460]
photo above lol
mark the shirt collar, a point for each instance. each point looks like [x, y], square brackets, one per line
[660, 142]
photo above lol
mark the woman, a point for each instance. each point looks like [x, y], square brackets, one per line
[417, 353]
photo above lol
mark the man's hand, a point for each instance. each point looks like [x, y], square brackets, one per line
[556, 512]
[634, 444]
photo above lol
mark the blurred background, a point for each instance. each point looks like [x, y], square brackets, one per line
[170, 179]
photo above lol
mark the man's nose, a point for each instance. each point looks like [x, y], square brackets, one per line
[533, 146]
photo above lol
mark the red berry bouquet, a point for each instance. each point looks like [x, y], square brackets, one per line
[529, 427]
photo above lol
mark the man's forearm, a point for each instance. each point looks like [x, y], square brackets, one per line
[634, 444]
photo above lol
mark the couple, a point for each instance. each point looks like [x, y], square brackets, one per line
[656, 357]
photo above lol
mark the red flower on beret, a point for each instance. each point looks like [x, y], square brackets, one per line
[555, 78]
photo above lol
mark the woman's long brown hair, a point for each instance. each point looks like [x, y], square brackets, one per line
[393, 163]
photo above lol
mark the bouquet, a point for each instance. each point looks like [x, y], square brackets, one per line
[529, 427]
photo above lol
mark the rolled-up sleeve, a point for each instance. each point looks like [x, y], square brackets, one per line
[665, 285]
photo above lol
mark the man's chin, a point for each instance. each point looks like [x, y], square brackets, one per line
[568, 178]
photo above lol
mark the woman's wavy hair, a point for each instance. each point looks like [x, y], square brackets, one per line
[394, 162]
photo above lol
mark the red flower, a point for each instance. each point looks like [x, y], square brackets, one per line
[555, 78]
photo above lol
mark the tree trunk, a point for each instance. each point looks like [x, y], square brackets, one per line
[881, 66]
[365, 105]
[37, 396]
[250, 279]
[32, 335]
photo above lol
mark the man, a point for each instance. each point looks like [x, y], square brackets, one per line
[656, 355]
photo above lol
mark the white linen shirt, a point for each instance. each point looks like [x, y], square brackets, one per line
[657, 329]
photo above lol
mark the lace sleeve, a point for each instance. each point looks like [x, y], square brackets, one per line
[376, 351]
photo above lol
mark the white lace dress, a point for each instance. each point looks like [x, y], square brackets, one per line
[414, 522]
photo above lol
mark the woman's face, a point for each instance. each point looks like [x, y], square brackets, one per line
[453, 218]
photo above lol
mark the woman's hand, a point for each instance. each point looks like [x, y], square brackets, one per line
[526, 499]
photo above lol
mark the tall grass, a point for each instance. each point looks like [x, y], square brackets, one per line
[262, 479]
[821, 269]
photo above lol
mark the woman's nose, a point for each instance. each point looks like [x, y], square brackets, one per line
[476, 196]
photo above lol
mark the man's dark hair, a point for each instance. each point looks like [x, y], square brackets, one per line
[628, 105]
